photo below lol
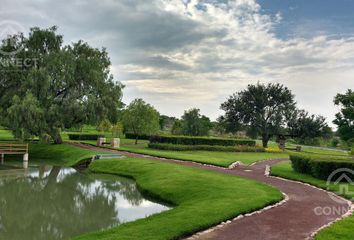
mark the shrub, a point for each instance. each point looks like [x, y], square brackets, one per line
[183, 140]
[320, 166]
[179, 147]
[85, 136]
[140, 137]
[273, 150]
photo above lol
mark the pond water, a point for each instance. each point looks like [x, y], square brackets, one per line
[59, 203]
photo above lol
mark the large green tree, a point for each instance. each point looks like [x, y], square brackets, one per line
[305, 127]
[141, 118]
[52, 86]
[262, 106]
[345, 118]
[195, 124]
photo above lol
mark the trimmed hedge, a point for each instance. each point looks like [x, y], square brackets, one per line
[183, 140]
[320, 166]
[140, 137]
[178, 147]
[84, 136]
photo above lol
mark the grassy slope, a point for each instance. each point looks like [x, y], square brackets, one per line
[202, 198]
[343, 229]
[59, 155]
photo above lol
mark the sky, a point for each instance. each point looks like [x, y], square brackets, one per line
[180, 54]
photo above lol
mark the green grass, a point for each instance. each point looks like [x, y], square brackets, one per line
[285, 170]
[6, 135]
[201, 198]
[223, 159]
[342, 230]
[51, 154]
[324, 151]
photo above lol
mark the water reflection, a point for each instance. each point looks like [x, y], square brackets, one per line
[59, 203]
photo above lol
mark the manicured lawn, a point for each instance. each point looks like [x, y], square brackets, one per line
[324, 151]
[51, 154]
[223, 159]
[343, 229]
[5, 135]
[201, 198]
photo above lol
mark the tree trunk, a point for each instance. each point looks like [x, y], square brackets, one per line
[58, 139]
[136, 140]
[265, 139]
[55, 134]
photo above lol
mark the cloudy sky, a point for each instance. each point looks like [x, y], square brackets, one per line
[179, 54]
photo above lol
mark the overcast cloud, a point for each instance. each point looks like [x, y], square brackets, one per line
[182, 54]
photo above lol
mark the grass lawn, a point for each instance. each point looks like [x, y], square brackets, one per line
[202, 198]
[5, 135]
[51, 154]
[340, 230]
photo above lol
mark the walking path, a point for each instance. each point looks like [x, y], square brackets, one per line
[293, 220]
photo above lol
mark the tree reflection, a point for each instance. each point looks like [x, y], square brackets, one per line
[61, 203]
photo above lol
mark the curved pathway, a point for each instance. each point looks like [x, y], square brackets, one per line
[293, 220]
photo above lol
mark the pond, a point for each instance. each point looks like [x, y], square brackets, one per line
[59, 203]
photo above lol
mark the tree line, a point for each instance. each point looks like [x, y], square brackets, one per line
[65, 86]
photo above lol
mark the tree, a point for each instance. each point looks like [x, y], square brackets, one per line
[166, 122]
[195, 124]
[104, 126]
[70, 85]
[262, 107]
[177, 128]
[306, 127]
[345, 118]
[117, 129]
[141, 118]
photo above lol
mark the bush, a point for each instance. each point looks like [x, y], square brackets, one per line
[140, 137]
[85, 136]
[201, 141]
[273, 150]
[179, 147]
[320, 166]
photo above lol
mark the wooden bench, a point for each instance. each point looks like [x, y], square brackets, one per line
[14, 149]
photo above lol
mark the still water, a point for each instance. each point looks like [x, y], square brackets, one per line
[48, 203]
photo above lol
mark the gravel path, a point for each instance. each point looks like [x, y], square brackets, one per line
[295, 219]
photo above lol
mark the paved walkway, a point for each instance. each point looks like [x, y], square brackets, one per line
[293, 220]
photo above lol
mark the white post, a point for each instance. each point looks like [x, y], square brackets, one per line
[25, 160]
[115, 143]
[2, 158]
[100, 141]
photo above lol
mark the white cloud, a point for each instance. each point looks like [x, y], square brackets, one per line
[180, 54]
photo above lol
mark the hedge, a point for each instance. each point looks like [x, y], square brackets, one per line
[140, 136]
[179, 147]
[183, 140]
[85, 136]
[320, 166]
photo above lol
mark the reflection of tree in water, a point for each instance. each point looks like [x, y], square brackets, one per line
[60, 205]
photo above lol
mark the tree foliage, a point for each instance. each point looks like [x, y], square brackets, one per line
[262, 107]
[195, 124]
[345, 118]
[177, 128]
[141, 118]
[56, 86]
[305, 126]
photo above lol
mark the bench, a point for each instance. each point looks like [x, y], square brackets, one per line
[14, 149]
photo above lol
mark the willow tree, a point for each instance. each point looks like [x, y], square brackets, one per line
[63, 86]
